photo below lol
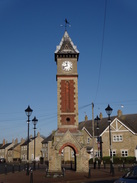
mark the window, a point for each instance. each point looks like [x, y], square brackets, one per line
[88, 140]
[113, 153]
[117, 138]
[124, 153]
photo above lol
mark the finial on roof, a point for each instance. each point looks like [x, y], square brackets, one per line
[66, 23]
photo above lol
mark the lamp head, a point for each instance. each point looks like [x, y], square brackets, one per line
[108, 110]
[28, 111]
[34, 120]
[97, 118]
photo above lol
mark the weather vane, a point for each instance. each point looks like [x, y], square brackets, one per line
[66, 23]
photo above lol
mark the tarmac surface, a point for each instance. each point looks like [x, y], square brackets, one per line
[39, 176]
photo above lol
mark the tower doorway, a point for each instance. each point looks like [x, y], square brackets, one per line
[68, 158]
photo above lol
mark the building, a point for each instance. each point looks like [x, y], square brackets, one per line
[123, 135]
[46, 144]
[67, 137]
[14, 153]
[4, 149]
[38, 143]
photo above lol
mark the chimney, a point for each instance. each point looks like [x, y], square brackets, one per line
[12, 141]
[22, 140]
[86, 117]
[16, 141]
[3, 142]
[119, 113]
[100, 115]
[38, 134]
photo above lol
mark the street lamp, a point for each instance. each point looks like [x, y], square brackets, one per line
[34, 120]
[98, 139]
[28, 112]
[109, 111]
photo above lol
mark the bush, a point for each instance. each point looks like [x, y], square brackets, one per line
[116, 160]
[120, 160]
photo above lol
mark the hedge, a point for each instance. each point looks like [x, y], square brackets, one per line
[117, 160]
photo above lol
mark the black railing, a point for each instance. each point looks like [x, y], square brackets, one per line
[18, 167]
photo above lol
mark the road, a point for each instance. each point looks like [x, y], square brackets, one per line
[101, 181]
[97, 175]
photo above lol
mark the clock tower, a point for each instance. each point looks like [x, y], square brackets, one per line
[66, 57]
[67, 139]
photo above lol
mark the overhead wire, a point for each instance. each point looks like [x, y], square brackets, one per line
[102, 49]
[54, 114]
[19, 126]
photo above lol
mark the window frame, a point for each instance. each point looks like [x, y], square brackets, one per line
[113, 151]
[124, 153]
[88, 140]
[118, 138]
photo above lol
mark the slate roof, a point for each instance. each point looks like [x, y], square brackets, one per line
[49, 138]
[66, 46]
[26, 142]
[6, 145]
[130, 120]
[13, 147]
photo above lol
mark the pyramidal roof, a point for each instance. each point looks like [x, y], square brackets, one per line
[66, 46]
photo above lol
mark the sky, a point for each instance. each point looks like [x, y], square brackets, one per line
[105, 33]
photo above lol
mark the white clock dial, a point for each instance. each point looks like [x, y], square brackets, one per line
[66, 65]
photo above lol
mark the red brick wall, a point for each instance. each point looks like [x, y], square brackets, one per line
[67, 96]
[64, 120]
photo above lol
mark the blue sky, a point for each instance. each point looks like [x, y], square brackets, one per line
[29, 33]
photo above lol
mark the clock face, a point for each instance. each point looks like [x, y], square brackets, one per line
[66, 65]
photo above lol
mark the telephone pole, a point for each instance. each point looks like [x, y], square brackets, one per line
[93, 130]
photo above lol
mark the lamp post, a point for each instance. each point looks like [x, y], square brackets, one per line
[109, 111]
[98, 139]
[34, 120]
[28, 112]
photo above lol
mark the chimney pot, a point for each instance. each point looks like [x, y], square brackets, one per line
[3, 141]
[86, 117]
[119, 113]
[100, 115]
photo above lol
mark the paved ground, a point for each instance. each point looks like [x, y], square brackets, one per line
[97, 175]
